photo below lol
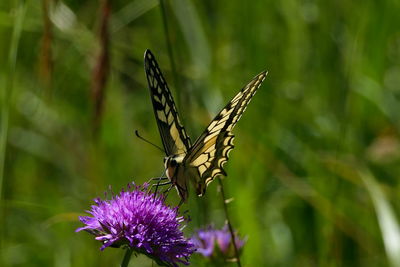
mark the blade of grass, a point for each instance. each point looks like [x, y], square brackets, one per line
[169, 45]
[5, 98]
[101, 70]
[327, 209]
[9, 84]
[194, 34]
[129, 13]
[386, 218]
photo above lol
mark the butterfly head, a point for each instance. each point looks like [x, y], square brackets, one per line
[171, 165]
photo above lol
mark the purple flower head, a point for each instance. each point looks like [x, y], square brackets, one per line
[207, 240]
[141, 221]
[204, 241]
[224, 240]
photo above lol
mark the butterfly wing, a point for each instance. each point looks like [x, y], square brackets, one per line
[173, 134]
[210, 151]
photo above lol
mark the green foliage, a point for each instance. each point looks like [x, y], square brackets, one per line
[314, 174]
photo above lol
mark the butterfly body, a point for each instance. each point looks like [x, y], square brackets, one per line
[173, 169]
[201, 162]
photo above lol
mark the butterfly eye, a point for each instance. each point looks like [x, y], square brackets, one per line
[173, 163]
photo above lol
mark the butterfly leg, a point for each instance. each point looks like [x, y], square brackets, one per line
[169, 189]
[180, 203]
[151, 183]
[156, 178]
[159, 179]
[162, 184]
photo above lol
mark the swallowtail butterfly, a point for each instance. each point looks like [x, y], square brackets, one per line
[201, 162]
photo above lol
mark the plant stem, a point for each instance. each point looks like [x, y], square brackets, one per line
[9, 84]
[101, 70]
[229, 222]
[127, 257]
[45, 56]
[169, 44]
[5, 98]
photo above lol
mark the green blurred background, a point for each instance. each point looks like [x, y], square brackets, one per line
[314, 174]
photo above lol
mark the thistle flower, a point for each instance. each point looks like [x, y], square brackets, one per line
[212, 243]
[141, 221]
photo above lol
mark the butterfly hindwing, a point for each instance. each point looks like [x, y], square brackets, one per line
[211, 149]
[173, 134]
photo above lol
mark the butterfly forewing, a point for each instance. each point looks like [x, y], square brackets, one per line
[211, 149]
[173, 134]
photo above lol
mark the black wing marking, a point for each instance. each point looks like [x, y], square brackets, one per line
[210, 151]
[173, 134]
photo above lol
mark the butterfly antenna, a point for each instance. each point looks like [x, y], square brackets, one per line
[147, 141]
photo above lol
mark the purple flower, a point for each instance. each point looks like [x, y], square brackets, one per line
[141, 221]
[206, 240]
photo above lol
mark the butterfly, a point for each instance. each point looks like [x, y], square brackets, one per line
[201, 162]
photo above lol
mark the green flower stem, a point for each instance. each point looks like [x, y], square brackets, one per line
[169, 45]
[221, 188]
[127, 257]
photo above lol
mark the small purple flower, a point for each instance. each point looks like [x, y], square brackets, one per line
[141, 221]
[205, 241]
